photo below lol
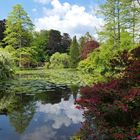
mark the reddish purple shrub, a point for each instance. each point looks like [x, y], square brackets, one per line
[88, 47]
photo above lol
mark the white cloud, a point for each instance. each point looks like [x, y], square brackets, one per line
[72, 19]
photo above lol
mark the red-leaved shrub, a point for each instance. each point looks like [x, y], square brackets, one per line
[88, 47]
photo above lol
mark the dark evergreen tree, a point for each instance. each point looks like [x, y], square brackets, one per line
[65, 43]
[54, 43]
[74, 53]
[2, 29]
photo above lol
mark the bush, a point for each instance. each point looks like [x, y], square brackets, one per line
[88, 48]
[26, 57]
[99, 64]
[58, 60]
[6, 65]
[111, 109]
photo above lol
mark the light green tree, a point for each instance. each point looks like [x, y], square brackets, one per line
[83, 39]
[111, 11]
[59, 60]
[133, 19]
[6, 65]
[74, 53]
[40, 41]
[120, 15]
[18, 28]
[118, 35]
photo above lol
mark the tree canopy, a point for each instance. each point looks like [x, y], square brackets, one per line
[19, 28]
[74, 52]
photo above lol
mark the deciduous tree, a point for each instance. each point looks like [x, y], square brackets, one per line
[18, 28]
[54, 43]
[88, 47]
[65, 43]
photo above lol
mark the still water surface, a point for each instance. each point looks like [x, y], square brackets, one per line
[36, 110]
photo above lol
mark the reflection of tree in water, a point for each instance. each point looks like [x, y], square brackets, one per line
[21, 112]
[21, 107]
[49, 97]
[74, 90]
[54, 95]
[5, 101]
[6, 98]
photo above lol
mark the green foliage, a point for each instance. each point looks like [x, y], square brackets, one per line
[76, 137]
[6, 65]
[83, 39]
[58, 43]
[118, 35]
[65, 43]
[9, 49]
[40, 41]
[21, 115]
[49, 42]
[27, 57]
[67, 77]
[58, 60]
[18, 28]
[120, 15]
[74, 53]
[2, 29]
[54, 43]
[138, 128]
[99, 62]
[114, 105]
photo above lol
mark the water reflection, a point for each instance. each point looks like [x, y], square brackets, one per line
[45, 112]
[63, 113]
[21, 112]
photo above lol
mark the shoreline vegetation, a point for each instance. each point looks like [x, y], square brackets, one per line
[57, 76]
[107, 71]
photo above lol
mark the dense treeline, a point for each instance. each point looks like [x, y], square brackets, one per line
[31, 49]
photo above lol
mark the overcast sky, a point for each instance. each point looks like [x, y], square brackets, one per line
[75, 17]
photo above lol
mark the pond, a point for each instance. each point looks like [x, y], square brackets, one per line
[38, 110]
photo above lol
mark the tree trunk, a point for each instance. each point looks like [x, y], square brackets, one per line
[134, 22]
[20, 65]
[118, 21]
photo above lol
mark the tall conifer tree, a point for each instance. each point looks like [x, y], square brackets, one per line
[74, 52]
[18, 28]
